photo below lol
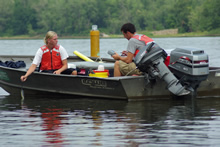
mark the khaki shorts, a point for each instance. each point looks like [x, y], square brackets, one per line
[126, 68]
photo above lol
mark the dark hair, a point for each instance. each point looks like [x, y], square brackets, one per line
[128, 27]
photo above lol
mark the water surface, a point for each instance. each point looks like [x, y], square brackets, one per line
[211, 45]
[37, 121]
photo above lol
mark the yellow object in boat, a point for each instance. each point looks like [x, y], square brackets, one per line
[82, 56]
[100, 74]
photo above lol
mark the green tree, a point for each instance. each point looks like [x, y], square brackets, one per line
[23, 17]
[74, 17]
[178, 15]
[5, 16]
[210, 15]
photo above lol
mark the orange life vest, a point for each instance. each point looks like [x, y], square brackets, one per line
[142, 38]
[51, 60]
[148, 40]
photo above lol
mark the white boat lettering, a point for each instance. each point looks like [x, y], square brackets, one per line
[95, 83]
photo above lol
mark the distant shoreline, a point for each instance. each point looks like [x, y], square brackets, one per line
[191, 34]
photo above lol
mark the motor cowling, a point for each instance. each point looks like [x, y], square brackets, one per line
[150, 59]
[190, 65]
[147, 55]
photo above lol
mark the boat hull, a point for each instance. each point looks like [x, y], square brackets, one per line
[113, 87]
[211, 86]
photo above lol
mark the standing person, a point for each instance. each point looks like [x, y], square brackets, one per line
[124, 64]
[51, 57]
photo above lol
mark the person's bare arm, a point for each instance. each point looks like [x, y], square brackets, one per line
[64, 67]
[30, 70]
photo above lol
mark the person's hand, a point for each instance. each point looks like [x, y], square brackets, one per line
[56, 72]
[23, 78]
[116, 56]
[124, 53]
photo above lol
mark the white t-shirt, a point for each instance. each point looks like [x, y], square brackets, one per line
[39, 53]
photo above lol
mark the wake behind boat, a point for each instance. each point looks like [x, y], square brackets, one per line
[147, 86]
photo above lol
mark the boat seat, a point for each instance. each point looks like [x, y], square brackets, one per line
[92, 65]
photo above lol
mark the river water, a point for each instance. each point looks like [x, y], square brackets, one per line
[63, 122]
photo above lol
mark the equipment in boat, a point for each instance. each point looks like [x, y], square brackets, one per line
[189, 65]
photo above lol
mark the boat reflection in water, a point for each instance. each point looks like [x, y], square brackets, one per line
[103, 122]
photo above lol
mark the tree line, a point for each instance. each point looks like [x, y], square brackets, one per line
[75, 17]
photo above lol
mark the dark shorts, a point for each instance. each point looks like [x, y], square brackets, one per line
[68, 71]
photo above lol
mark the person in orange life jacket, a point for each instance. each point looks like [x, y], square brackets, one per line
[51, 57]
[124, 65]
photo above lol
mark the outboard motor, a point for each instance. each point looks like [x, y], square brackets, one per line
[190, 65]
[150, 59]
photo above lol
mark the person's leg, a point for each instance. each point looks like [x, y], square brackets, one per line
[123, 69]
[69, 71]
[48, 71]
[74, 72]
[117, 72]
